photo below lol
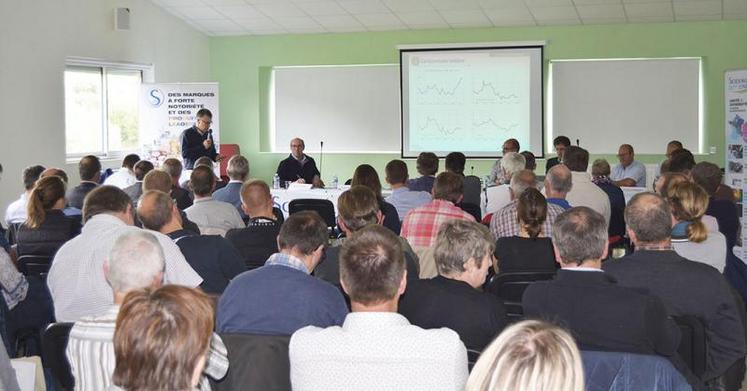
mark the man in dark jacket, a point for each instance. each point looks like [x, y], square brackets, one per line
[197, 141]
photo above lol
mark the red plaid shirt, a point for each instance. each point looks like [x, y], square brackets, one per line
[505, 222]
[421, 225]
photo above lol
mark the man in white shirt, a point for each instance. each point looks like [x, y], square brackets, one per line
[136, 261]
[16, 212]
[376, 346]
[76, 278]
[211, 216]
[496, 197]
[125, 176]
[629, 173]
[402, 197]
[584, 191]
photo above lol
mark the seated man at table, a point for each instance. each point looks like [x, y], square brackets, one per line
[299, 167]
[629, 173]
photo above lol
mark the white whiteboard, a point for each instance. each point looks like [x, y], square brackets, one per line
[645, 103]
[352, 108]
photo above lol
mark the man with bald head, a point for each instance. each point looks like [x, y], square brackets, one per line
[258, 240]
[686, 287]
[214, 258]
[629, 173]
[299, 167]
[558, 183]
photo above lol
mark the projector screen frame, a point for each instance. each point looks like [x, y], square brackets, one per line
[472, 46]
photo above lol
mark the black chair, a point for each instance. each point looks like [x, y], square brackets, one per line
[258, 362]
[325, 208]
[472, 357]
[510, 287]
[692, 347]
[278, 215]
[34, 265]
[472, 209]
[54, 343]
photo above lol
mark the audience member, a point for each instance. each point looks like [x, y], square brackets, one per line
[505, 222]
[664, 165]
[281, 297]
[89, 169]
[530, 250]
[709, 176]
[455, 162]
[136, 189]
[16, 211]
[74, 213]
[211, 216]
[358, 208]
[376, 345]
[670, 179]
[454, 299]
[600, 176]
[558, 182]
[125, 176]
[258, 240]
[427, 166]
[686, 287]
[629, 173]
[46, 227]
[614, 318]
[162, 339]
[584, 191]
[560, 143]
[160, 180]
[366, 175]
[682, 160]
[299, 167]
[510, 145]
[421, 225]
[531, 160]
[183, 198]
[529, 355]
[402, 197]
[238, 173]
[213, 257]
[76, 279]
[498, 196]
[136, 261]
[690, 236]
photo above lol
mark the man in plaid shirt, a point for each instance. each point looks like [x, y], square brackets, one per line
[421, 224]
[505, 222]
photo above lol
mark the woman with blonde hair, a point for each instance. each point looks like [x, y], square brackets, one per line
[162, 338]
[529, 355]
[691, 238]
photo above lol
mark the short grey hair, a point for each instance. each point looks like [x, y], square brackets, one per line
[521, 181]
[513, 162]
[600, 167]
[134, 261]
[580, 234]
[560, 179]
[238, 168]
[457, 242]
[649, 216]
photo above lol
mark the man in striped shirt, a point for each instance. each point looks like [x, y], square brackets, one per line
[135, 261]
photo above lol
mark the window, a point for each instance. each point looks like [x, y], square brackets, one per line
[101, 108]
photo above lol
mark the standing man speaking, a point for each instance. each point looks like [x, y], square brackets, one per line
[197, 141]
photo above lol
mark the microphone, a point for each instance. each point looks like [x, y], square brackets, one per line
[472, 170]
[321, 157]
[577, 143]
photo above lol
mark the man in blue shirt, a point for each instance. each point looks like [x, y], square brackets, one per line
[558, 183]
[629, 173]
[402, 197]
[238, 172]
[197, 141]
[281, 296]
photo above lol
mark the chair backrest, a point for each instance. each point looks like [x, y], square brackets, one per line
[13, 233]
[227, 151]
[258, 362]
[325, 208]
[54, 343]
[614, 371]
[34, 265]
[510, 287]
[692, 347]
[472, 209]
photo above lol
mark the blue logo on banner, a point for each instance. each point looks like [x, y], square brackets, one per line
[155, 97]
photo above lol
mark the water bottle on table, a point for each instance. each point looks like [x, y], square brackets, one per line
[276, 181]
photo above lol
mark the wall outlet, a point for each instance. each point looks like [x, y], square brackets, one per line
[712, 150]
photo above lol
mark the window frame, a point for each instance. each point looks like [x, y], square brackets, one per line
[147, 73]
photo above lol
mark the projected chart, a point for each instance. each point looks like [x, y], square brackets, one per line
[469, 101]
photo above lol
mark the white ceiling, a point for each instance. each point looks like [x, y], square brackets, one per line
[260, 17]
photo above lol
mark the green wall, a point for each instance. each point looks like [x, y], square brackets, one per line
[240, 65]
